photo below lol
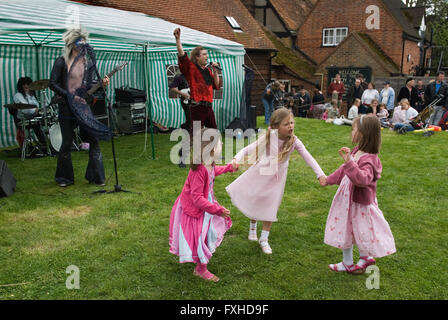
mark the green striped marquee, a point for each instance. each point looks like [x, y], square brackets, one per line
[31, 40]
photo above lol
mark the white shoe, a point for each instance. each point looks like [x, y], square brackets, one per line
[265, 247]
[252, 236]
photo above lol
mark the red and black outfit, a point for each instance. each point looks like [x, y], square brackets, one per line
[201, 91]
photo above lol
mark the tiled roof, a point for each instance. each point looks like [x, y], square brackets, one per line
[290, 59]
[293, 12]
[371, 47]
[395, 7]
[204, 15]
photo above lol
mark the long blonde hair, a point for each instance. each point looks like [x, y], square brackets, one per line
[70, 37]
[264, 141]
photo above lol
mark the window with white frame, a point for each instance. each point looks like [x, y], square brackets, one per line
[234, 24]
[333, 36]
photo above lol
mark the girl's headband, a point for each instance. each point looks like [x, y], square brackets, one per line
[360, 119]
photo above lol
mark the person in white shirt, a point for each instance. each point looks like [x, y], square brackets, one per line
[369, 94]
[387, 96]
[409, 115]
[353, 112]
[26, 96]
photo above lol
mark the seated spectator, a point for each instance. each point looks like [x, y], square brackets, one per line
[410, 114]
[333, 111]
[373, 109]
[325, 115]
[383, 115]
[398, 116]
[353, 112]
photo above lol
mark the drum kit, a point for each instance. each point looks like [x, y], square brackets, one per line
[47, 120]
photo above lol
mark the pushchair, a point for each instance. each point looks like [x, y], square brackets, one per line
[421, 120]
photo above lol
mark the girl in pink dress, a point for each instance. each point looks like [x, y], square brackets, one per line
[198, 222]
[354, 216]
[258, 192]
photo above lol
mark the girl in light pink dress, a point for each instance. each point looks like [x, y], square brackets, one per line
[354, 216]
[198, 222]
[258, 192]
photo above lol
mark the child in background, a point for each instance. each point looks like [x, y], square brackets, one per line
[383, 116]
[258, 192]
[198, 222]
[333, 111]
[354, 216]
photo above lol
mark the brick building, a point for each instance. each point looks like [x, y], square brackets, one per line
[210, 16]
[376, 37]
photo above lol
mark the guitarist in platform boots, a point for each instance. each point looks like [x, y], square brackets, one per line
[71, 77]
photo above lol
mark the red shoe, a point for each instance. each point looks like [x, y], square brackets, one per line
[368, 262]
[348, 269]
[207, 275]
[361, 268]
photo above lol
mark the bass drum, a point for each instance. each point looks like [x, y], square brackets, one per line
[55, 136]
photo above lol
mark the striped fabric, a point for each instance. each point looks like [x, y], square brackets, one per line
[29, 48]
[19, 61]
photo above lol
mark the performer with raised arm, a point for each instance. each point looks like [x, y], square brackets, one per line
[71, 77]
[202, 79]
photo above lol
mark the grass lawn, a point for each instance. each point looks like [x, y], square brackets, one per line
[120, 241]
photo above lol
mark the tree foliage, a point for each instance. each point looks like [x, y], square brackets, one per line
[438, 17]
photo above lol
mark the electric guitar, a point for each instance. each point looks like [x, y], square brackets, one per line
[89, 96]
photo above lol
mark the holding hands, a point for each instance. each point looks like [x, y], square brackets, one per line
[235, 165]
[323, 181]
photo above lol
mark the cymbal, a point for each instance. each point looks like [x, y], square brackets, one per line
[19, 106]
[39, 84]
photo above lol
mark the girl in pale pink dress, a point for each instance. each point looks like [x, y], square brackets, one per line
[198, 222]
[258, 192]
[354, 216]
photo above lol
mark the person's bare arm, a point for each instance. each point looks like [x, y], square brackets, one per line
[180, 49]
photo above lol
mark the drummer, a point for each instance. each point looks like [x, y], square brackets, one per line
[26, 96]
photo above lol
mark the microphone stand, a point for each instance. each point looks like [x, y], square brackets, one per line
[117, 186]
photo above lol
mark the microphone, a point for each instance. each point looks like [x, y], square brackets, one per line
[216, 67]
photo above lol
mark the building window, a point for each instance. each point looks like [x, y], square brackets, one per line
[173, 70]
[333, 36]
[235, 25]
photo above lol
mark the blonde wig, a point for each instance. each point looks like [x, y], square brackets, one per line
[70, 37]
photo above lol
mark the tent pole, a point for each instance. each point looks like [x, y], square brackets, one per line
[145, 73]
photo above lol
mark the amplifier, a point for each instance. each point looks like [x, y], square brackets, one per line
[130, 95]
[131, 117]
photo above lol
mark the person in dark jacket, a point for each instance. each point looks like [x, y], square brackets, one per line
[432, 92]
[409, 92]
[60, 80]
[354, 92]
[421, 95]
[304, 102]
